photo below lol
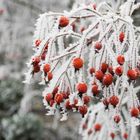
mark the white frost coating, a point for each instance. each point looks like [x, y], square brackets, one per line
[57, 77]
[87, 27]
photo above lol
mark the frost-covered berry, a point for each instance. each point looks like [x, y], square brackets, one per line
[104, 67]
[78, 63]
[97, 127]
[117, 118]
[82, 87]
[134, 112]
[95, 90]
[90, 131]
[82, 29]
[63, 21]
[36, 60]
[119, 70]
[58, 98]
[36, 68]
[84, 126]
[121, 59]
[67, 104]
[94, 6]
[75, 103]
[112, 135]
[43, 55]
[106, 102]
[51, 102]
[92, 70]
[132, 74]
[46, 68]
[125, 135]
[98, 45]
[107, 79]
[86, 99]
[55, 90]
[48, 97]
[99, 75]
[121, 36]
[114, 100]
[110, 70]
[37, 42]
[50, 76]
[83, 110]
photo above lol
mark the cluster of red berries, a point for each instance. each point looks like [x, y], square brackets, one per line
[113, 100]
[113, 135]
[56, 98]
[103, 78]
[96, 128]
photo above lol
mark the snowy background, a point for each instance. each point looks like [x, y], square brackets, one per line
[17, 19]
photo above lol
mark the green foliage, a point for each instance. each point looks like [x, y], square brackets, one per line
[19, 127]
[11, 92]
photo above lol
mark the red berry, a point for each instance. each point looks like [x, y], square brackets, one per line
[104, 67]
[47, 68]
[121, 59]
[82, 29]
[58, 98]
[95, 90]
[134, 112]
[114, 100]
[67, 104]
[98, 45]
[110, 70]
[138, 71]
[84, 126]
[90, 131]
[73, 26]
[121, 36]
[36, 60]
[125, 135]
[97, 127]
[46, 47]
[51, 102]
[107, 79]
[94, 6]
[43, 56]
[82, 88]
[37, 42]
[92, 70]
[117, 119]
[132, 74]
[106, 102]
[65, 95]
[99, 75]
[50, 76]
[55, 90]
[78, 63]
[36, 68]
[112, 135]
[48, 97]
[86, 99]
[83, 110]
[63, 21]
[75, 103]
[119, 70]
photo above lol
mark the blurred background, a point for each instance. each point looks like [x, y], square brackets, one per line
[22, 114]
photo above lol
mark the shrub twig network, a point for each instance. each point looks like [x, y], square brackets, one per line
[89, 61]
